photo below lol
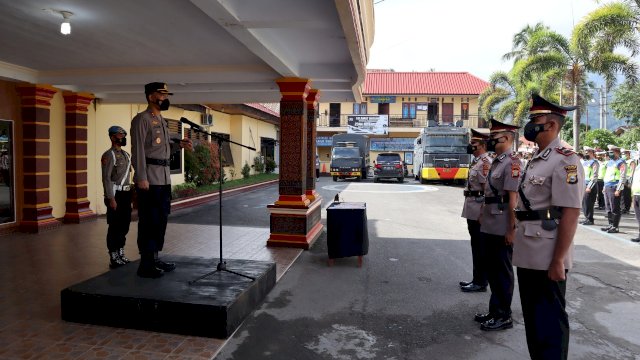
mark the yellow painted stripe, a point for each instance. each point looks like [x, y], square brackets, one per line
[74, 200]
[37, 140]
[37, 190]
[36, 156]
[76, 142]
[36, 123]
[35, 173]
[76, 186]
[35, 206]
[76, 171]
[76, 156]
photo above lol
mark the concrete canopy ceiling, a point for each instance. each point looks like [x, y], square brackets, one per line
[208, 51]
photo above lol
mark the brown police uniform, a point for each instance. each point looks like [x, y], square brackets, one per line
[151, 147]
[116, 171]
[553, 180]
[504, 176]
[472, 210]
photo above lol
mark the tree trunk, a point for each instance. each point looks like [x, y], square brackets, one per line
[576, 119]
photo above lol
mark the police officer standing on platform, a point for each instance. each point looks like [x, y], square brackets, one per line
[151, 149]
[116, 171]
[498, 225]
[614, 182]
[591, 170]
[472, 209]
[550, 196]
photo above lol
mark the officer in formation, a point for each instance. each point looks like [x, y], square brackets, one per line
[591, 170]
[151, 148]
[602, 168]
[635, 191]
[550, 197]
[614, 180]
[116, 171]
[498, 225]
[625, 200]
[472, 209]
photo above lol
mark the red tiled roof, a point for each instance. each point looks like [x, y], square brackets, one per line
[423, 83]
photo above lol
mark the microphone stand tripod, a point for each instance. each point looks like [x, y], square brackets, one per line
[222, 265]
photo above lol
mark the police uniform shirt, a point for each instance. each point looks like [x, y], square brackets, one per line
[553, 179]
[150, 139]
[504, 176]
[591, 171]
[478, 172]
[114, 172]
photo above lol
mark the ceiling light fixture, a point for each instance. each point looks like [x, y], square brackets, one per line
[65, 27]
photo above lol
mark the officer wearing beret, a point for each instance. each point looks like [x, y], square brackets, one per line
[591, 169]
[498, 225]
[151, 148]
[550, 197]
[116, 171]
[614, 182]
[472, 209]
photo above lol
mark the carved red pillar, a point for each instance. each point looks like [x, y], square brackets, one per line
[36, 108]
[294, 219]
[312, 114]
[76, 128]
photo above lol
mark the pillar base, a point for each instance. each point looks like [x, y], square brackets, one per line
[78, 218]
[39, 226]
[313, 195]
[295, 227]
[293, 201]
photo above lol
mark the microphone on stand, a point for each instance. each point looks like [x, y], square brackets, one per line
[190, 123]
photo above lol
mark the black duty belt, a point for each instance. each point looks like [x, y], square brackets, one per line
[159, 162]
[469, 193]
[496, 199]
[531, 215]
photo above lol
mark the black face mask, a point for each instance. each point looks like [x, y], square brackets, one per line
[122, 142]
[587, 157]
[471, 148]
[531, 130]
[163, 104]
[611, 155]
[491, 144]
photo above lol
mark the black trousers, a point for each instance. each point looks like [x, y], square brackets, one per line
[546, 322]
[499, 273]
[154, 206]
[478, 253]
[118, 220]
[588, 201]
[626, 198]
[600, 185]
[612, 205]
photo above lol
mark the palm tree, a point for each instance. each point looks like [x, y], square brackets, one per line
[576, 58]
[521, 43]
[612, 25]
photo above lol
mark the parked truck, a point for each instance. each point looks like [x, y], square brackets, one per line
[349, 156]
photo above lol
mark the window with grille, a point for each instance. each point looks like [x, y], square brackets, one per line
[175, 129]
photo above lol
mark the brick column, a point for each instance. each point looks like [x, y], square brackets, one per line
[312, 114]
[76, 128]
[295, 220]
[36, 107]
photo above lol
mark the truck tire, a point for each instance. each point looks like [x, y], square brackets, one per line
[375, 179]
[335, 178]
[423, 181]
[400, 179]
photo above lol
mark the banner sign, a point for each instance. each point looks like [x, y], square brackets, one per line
[323, 140]
[382, 99]
[368, 124]
[392, 144]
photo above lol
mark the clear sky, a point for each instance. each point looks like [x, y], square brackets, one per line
[462, 35]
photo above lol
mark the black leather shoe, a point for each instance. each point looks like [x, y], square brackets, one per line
[587, 222]
[636, 240]
[473, 288]
[482, 317]
[164, 266]
[497, 324]
[606, 228]
[465, 283]
[613, 230]
[150, 272]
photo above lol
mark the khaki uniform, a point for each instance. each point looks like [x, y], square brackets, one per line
[116, 174]
[478, 172]
[504, 176]
[150, 139]
[553, 179]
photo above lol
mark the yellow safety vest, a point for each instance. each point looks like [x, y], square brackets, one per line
[588, 170]
[629, 169]
[613, 173]
[601, 170]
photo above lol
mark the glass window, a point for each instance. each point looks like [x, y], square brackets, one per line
[464, 112]
[360, 109]
[7, 198]
[175, 128]
[408, 110]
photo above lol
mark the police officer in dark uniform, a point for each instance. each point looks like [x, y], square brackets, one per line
[550, 197]
[116, 171]
[498, 225]
[472, 209]
[151, 148]
[615, 178]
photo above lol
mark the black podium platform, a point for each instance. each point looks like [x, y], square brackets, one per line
[347, 233]
[212, 307]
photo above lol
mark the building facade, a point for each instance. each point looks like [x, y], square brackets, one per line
[406, 102]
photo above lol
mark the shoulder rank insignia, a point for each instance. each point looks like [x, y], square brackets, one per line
[515, 170]
[501, 157]
[572, 174]
[485, 168]
[565, 151]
